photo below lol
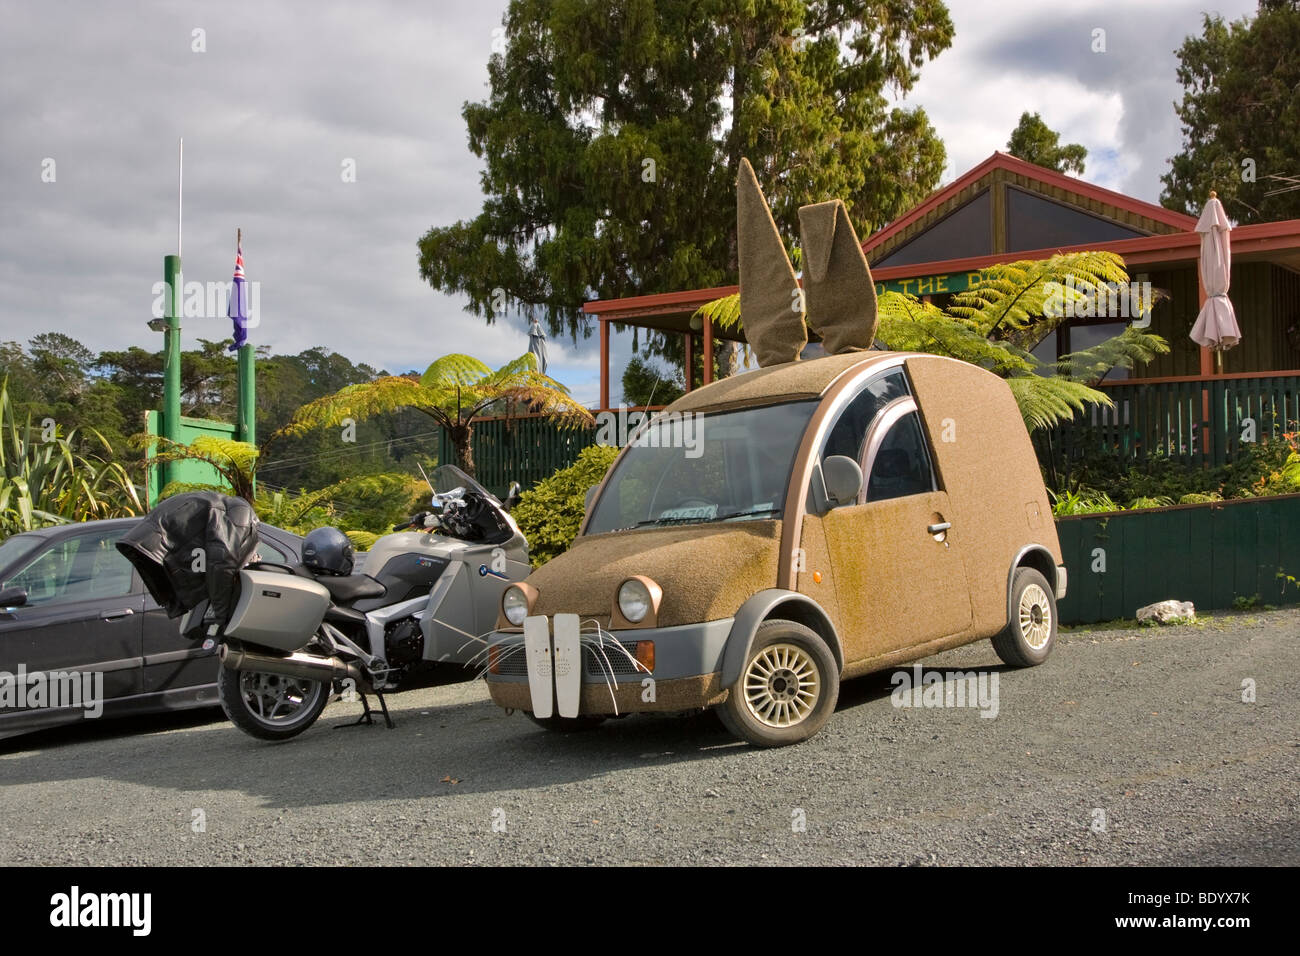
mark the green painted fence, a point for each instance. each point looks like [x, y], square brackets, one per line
[1165, 418]
[525, 450]
[1208, 554]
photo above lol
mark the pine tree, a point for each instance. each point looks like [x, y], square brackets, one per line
[613, 132]
[1241, 116]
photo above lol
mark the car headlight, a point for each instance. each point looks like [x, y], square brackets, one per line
[514, 605]
[634, 600]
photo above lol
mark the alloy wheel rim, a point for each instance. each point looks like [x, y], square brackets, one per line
[782, 685]
[1035, 616]
[276, 699]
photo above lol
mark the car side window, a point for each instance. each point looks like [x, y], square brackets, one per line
[850, 429]
[76, 569]
[902, 463]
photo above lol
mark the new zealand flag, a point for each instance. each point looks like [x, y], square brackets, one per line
[238, 310]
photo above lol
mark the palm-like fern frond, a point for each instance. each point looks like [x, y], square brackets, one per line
[1010, 296]
[454, 390]
[234, 461]
[909, 325]
[724, 313]
[1045, 401]
[358, 402]
[362, 540]
[1121, 351]
[455, 369]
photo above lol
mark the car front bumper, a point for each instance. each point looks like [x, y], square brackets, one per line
[686, 673]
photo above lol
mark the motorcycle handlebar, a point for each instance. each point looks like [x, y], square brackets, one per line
[416, 520]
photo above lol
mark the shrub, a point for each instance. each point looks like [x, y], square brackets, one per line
[45, 480]
[549, 515]
[1268, 467]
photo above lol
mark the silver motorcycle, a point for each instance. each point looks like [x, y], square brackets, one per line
[428, 598]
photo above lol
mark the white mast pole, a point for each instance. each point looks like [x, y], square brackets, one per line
[180, 193]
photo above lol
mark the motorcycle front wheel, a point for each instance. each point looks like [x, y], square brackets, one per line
[270, 706]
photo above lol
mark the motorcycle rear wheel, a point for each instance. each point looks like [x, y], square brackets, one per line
[270, 706]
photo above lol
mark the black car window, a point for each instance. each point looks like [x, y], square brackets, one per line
[902, 465]
[17, 547]
[850, 429]
[79, 568]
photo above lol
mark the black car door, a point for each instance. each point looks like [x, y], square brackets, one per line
[81, 615]
[170, 661]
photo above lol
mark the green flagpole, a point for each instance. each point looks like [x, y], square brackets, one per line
[247, 395]
[171, 417]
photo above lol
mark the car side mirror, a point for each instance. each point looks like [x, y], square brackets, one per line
[591, 496]
[843, 479]
[13, 597]
[512, 496]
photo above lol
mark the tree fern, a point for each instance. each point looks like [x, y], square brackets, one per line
[1122, 351]
[454, 391]
[999, 318]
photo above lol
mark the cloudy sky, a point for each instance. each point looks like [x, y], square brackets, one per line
[285, 97]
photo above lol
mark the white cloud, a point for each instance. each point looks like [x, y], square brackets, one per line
[286, 92]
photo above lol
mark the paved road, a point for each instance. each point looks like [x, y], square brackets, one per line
[1127, 747]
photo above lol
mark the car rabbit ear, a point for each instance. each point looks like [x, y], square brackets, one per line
[839, 291]
[771, 307]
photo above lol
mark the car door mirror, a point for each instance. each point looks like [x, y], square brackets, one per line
[12, 597]
[591, 496]
[512, 496]
[843, 479]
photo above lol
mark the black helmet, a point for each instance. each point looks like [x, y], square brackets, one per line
[327, 551]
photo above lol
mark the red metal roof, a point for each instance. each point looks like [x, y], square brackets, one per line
[1183, 246]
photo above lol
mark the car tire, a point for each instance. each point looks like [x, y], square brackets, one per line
[305, 697]
[787, 689]
[1030, 635]
[567, 725]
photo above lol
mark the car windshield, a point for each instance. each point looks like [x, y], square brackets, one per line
[692, 468]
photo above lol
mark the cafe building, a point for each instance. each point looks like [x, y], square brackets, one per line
[1006, 209]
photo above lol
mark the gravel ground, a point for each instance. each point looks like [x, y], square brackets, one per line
[1126, 747]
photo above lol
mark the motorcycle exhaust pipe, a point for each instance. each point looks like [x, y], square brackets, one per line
[303, 666]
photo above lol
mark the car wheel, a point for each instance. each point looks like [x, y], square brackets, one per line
[270, 706]
[566, 725]
[787, 689]
[1031, 633]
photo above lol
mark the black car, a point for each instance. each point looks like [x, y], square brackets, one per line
[80, 637]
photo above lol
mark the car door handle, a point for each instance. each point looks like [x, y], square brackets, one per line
[939, 528]
[114, 615]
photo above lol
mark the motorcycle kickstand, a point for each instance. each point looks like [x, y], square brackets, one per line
[366, 715]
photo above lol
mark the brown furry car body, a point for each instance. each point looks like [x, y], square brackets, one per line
[757, 574]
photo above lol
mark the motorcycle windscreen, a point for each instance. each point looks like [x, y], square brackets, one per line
[278, 611]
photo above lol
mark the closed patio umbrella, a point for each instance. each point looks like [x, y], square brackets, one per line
[1216, 325]
[537, 344]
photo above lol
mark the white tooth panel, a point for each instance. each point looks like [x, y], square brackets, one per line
[568, 665]
[537, 651]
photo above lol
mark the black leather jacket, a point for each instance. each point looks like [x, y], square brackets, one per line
[190, 548]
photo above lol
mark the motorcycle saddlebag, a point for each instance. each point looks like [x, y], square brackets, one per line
[275, 610]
